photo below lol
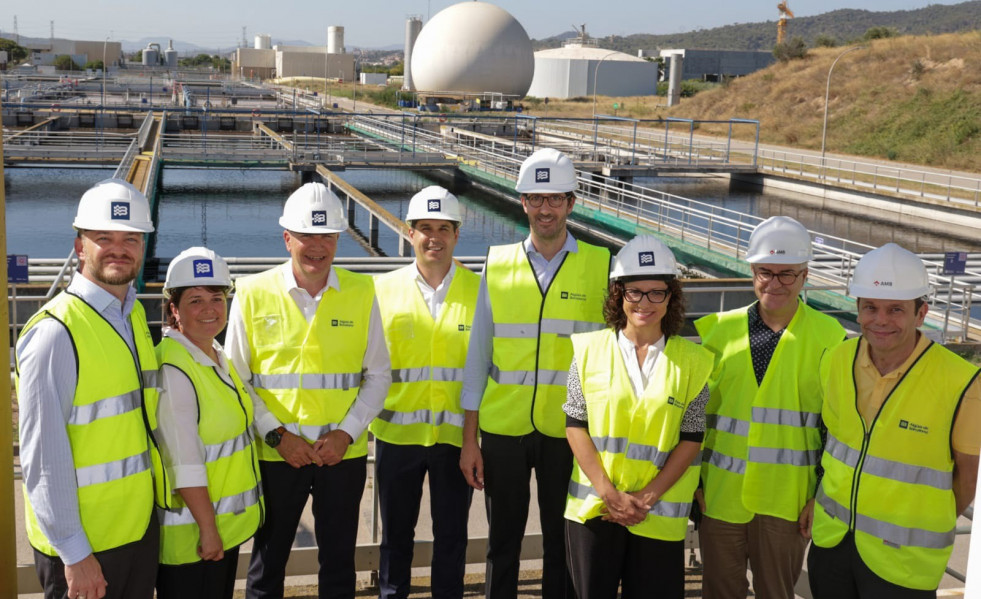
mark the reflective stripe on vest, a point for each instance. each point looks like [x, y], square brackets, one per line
[762, 443]
[308, 374]
[531, 346]
[231, 460]
[890, 481]
[428, 355]
[106, 428]
[635, 437]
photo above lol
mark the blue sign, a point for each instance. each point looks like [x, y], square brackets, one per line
[955, 263]
[17, 268]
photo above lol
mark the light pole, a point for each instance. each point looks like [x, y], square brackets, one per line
[596, 76]
[827, 96]
[104, 69]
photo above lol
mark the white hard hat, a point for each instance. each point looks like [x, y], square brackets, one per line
[546, 171]
[642, 256]
[197, 267]
[890, 272]
[433, 202]
[780, 240]
[113, 205]
[313, 209]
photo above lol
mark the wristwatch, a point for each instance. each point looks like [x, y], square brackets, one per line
[273, 437]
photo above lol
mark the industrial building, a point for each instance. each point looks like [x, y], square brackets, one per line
[265, 61]
[716, 65]
[81, 51]
[581, 68]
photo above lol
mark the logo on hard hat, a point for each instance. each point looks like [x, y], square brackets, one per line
[120, 210]
[203, 268]
[778, 252]
[318, 217]
[645, 258]
[883, 283]
[543, 175]
[433, 205]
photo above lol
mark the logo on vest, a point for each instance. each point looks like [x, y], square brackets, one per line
[572, 295]
[433, 205]
[916, 428]
[678, 403]
[463, 327]
[318, 217]
[120, 210]
[341, 323]
[645, 258]
[543, 175]
[202, 268]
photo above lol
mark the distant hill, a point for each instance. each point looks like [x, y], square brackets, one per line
[842, 25]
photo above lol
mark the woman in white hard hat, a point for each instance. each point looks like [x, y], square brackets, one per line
[635, 420]
[205, 418]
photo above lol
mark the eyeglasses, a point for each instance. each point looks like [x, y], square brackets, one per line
[555, 200]
[786, 277]
[655, 296]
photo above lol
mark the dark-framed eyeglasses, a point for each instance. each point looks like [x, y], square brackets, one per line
[786, 277]
[555, 200]
[655, 296]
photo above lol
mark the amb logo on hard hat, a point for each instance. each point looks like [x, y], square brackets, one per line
[433, 205]
[882, 283]
[778, 252]
[318, 217]
[203, 268]
[120, 210]
[543, 175]
[645, 258]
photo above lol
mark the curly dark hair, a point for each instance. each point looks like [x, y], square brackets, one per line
[673, 320]
[175, 299]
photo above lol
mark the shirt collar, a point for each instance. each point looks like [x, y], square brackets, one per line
[290, 281]
[570, 245]
[199, 356]
[99, 298]
[628, 345]
[865, 359]
[446, 280]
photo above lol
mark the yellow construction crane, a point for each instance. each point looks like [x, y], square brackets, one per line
[785, 13]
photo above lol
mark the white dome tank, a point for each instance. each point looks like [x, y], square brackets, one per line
[473, 47]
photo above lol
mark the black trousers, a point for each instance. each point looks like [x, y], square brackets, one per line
[337, 492]
[508, 462]
[199, 580]
[839, 573]
[399, 472]
[602, 556]
[130, 570]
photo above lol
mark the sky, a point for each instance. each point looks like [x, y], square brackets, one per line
[380, 23]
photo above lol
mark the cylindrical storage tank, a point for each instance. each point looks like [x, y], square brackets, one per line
[473, 47]
[151, 55]
[412, 28]
[263, 41]
[170, 55]
[674, 78]
[335, 39]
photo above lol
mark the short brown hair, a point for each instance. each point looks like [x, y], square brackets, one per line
[674, 319]
[175, 298]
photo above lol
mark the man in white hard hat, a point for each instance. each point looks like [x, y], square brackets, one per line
[762, 438]
[309, 337]
[427, 308]
[86, 370]
[533, 296]
[904, 432]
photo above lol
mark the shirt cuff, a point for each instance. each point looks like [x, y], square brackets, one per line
[74, 549]
[352, 427]
[190, 476]
[470, 401]
[266, 423]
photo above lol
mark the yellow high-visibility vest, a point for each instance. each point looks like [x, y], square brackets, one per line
[113, 410]
[532, 350]
[308, 374]
[423, 403]
[231, 461]
[634, 436]
[762, 442]
[891, 482]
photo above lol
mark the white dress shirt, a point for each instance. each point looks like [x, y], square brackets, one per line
[639, 375]
[376, 364]
[434, 298]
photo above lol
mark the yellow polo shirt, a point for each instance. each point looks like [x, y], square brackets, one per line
[873, 388]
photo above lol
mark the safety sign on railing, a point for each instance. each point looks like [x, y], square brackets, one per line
[17, 268]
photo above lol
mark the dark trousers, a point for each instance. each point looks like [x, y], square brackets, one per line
[839, 573]
[199, 580]
[337, 492]
[130, 570]
[399, 472]
[603, 555]
[508, 462]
